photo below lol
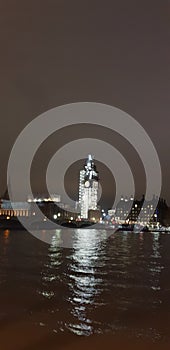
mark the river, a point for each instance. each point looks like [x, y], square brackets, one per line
[53, 297]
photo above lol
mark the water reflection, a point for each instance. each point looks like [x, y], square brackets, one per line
[102, 286]
[156, 268]
[84, 282]
[49, 275]
[71, 281]
[6, 235]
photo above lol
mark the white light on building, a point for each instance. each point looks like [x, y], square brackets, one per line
[88, 187]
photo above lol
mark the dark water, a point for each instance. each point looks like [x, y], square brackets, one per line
[120, 285]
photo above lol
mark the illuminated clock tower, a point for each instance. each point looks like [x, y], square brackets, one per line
[88, 187]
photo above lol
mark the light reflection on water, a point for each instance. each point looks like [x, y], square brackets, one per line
[121, 283]
[106, 285]
[155, 264]
[84, 284]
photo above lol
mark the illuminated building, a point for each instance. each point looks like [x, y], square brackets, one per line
[88, 188]
[133, 212]
[38, 199]
[94, 215]
[13, 209]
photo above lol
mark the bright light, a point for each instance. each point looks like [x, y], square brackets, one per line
[55, 216]
[71, 218]
[59, 214]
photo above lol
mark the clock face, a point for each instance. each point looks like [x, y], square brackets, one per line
[87, 183]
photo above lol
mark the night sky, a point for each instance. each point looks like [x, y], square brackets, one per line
[112, 52]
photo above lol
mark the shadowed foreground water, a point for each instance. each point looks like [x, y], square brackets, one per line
[116, 291]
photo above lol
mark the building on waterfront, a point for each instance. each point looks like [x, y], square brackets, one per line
[10, 209]
[94, 215]
[56, 198]
[123, 208]
[54, 212]
[52, 208]
[88, 189]
[132, 211]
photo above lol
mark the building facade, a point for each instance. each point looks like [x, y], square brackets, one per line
[10, 209]
[131, 211]
[88, 188]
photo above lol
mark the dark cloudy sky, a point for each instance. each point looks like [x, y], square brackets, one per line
[56, 52]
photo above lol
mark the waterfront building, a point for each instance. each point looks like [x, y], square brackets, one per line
[94, 215]
[10, 209]
[44, 198]
[54, 212]
[51, 207]
[132, 211]
[122, 210]
[88, 188]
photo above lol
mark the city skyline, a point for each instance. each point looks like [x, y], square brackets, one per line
[126, 210]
